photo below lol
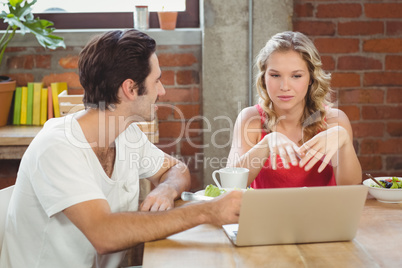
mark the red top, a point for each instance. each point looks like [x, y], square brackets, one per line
[293, 177]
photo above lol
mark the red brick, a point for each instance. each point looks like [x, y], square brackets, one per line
[167, 77]
[21, 62]
[345, 80]
[22, 79]
[194, 128]
[361, 96]
[393, 62]
[337, 45]
[383, 10]
[361, 130]
[69, 62]
[191, 147]
[41, 49]
[169, 146]
[195, 47]
[72, 79]
[171, 129]
[181, 95]
[376, 146]
[169, 59]
[387, 45]
[187, 77]
[333, 96]
[360, 28]
[43, 61]
[394, 163]
[187, 111]
[381, 112]
[15, 49]
[303, 10]
[353, 112]
[382, 79]
[358, 63]
[393, 28]
[394, 95]
[394, 129]
[356, 145]
[165, 111]
[315, 27]
[162, 47]
[371, 162]
[339, 10]
[328, 63]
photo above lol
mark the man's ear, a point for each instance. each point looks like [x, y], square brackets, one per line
[129, 89]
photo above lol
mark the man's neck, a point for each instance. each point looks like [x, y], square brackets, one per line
[101, 128]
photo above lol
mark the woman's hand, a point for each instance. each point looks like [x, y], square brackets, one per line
[282, 145]
[325, 143]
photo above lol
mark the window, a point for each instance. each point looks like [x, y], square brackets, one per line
[89, 6]
[98, 14]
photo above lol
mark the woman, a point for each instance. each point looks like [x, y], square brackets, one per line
[293, 138]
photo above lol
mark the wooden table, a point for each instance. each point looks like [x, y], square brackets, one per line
[378, 243]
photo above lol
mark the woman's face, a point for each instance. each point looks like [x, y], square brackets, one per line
[287, 80]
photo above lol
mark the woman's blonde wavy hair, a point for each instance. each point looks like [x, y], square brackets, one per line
[318, 94]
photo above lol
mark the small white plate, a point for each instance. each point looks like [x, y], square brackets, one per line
[202, 192]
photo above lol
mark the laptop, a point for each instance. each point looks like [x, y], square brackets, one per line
[298, 215]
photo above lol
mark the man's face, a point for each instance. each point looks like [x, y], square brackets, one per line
[153, 89]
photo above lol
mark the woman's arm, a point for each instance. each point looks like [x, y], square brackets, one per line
[336, 146]
[246, 145]
[250, 151]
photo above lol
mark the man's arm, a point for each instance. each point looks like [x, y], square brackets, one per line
[110, 232]
[170, 181]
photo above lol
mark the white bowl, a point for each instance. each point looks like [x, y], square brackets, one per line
[384, 194]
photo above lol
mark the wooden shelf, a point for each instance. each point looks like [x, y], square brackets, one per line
[18, 135]
[14, 140]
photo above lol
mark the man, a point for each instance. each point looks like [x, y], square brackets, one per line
[78, 182]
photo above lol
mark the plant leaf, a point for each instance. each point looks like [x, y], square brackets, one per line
[21, 17]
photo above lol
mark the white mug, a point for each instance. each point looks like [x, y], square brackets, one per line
[231, 177]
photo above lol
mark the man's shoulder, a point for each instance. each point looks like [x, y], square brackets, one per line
[59, 133]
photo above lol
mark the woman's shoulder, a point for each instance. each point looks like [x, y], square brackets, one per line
[250, 115]
[335, 115]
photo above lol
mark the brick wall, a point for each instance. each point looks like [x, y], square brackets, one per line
[360, 42]
[179, 110]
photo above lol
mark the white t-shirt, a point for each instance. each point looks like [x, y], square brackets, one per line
[58, 170]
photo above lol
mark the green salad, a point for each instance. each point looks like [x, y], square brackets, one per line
[213, 191]
[391, 183]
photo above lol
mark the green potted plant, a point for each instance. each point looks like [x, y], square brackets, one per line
[19, 17]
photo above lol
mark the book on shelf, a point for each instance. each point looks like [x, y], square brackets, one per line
[57, 88]
[24, 101]
[36, 107]
[30, 103]
[17, 106]
[49, 103]
[43, 106]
